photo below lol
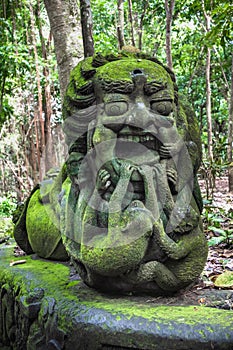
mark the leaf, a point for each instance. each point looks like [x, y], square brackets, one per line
[216, 240]
[227, 253]
[217, 230]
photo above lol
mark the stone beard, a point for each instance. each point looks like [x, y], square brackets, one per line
[129, 202]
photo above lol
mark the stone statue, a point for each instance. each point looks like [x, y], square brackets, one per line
[126, 205]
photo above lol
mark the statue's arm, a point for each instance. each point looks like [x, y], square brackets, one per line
[121, 189]
[151, 200]
[174, 250]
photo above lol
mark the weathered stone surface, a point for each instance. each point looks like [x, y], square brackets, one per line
[126, 205]
[43, 307]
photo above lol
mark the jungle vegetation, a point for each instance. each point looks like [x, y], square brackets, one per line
[41, 41]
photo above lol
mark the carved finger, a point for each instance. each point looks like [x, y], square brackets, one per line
[104, 175]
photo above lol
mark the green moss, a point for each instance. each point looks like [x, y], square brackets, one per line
[72, 284]
[53, 277]
[113, 260]
[122, 248]
[225, 280]
[43, 229]
[191, 315]
[77, 300]
[121, 70]
[77, 78]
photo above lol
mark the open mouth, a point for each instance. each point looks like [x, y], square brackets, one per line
[136, 141]
[139, 147]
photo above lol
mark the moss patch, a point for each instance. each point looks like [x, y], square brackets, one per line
[43, 229]
[54, 277]
[225, 280]
[122, 70]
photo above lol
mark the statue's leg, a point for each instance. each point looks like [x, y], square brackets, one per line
[20, 229]
[43, 229]
[157, 272]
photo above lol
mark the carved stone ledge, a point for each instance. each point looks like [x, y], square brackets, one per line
[42, 306]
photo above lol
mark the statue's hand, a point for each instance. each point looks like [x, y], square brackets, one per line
[126, 170]
[103, 180]
[172, 175]
[168, 150]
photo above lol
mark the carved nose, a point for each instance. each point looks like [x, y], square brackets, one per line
[139, 116]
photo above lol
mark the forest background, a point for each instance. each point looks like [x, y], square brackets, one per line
[41, 41]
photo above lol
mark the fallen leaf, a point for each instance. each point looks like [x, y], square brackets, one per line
[202, 300]
[227, 253]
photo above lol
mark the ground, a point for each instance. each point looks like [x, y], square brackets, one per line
[218, 218]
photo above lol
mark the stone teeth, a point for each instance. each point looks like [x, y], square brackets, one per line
[137, 138]
[144, 138]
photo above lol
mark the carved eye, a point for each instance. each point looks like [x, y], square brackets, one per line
[73, 164]
[116, 108]
[73, 167]
[162, 107]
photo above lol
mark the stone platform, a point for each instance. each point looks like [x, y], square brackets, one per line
[43, 306]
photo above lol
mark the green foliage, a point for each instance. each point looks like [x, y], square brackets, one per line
[6, 228]
[224, 236]
[223, 29]
[219, 222]
[20, 130]
[104, 18]
[15, 54]
[17, 59]
[189, 40]
[7, 206]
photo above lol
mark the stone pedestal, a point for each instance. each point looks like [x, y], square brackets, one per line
[43, 306]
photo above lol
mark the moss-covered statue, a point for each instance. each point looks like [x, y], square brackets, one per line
[126, 205]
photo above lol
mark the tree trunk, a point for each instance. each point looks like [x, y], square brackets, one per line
[140, 29]
[208, 90]
[208, 106]
[230, 134]
[66, 29]
[120, 24]
[48, 154]
[39, 113]
[87, 25]
[131, 22]
[169, 7]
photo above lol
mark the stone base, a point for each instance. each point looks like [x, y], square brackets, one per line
[42, 306]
